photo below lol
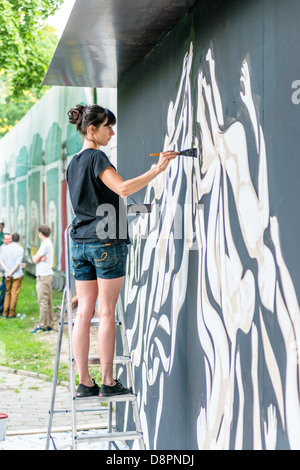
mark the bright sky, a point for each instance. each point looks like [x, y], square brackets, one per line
[60, 19]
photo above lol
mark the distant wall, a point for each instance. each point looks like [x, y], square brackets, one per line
[33, 163]
[212, 288]
[33, 160]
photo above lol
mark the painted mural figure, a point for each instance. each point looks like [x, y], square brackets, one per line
[234, 288]
[234, 300]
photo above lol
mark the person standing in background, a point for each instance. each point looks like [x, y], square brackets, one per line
[44, 277]
[5, 239]
[11, 261]
[1, 232]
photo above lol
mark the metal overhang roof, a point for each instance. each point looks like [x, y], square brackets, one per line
[104, 39]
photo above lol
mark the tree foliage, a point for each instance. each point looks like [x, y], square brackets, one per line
[27, 45]
[24, 51]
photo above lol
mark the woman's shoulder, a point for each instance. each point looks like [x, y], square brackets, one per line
[100, 161]
[89, 152]
[87, 157]
[92, 154]
[98, 153]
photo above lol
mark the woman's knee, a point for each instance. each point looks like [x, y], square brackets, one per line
[106, 312]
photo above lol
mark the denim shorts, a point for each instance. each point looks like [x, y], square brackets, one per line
[92, 260]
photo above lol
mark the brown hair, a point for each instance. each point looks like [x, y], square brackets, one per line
[84, 116]
[15, 237]
[45, 230]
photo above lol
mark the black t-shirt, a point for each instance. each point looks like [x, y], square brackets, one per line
[100, 214]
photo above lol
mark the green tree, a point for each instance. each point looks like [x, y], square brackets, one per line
[12, 109]
[22, 31]
[27, 45]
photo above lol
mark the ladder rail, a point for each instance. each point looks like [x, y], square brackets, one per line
[125, 345]
[56, 367]
[70, 331]
[126, 352]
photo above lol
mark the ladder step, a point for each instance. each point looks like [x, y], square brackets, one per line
[81, 410]
[95, 322]
[115, 398]
[112, 436]
[117, 360]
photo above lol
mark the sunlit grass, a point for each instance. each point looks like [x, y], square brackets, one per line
[19, 349]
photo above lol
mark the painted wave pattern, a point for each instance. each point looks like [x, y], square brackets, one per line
[230, 297]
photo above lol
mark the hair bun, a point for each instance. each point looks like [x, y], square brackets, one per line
[91, 114]
[76, 115]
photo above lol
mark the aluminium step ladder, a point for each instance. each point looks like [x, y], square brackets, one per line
[110, 436]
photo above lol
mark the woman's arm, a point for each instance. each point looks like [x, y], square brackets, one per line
[115, 182]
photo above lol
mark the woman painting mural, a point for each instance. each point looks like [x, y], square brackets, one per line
[99, 240]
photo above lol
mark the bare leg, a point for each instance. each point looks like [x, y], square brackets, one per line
[109, 290]
[87, 292]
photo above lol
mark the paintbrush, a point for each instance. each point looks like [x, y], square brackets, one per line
[194, 153]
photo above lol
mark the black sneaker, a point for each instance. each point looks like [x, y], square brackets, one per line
[83, 391]
[109, 391]
[38, 330]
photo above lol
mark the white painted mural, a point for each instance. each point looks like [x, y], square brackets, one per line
[228, 292]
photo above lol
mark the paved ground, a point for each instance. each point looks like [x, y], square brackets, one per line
[26, 400]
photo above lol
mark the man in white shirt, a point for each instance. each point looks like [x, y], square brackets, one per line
[5, 240]
[11, 261]
[44, 277]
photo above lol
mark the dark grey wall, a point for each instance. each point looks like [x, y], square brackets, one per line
[266, 35]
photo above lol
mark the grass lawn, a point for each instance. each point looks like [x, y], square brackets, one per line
[19, 349]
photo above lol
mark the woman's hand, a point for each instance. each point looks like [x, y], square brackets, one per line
[165, 158]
